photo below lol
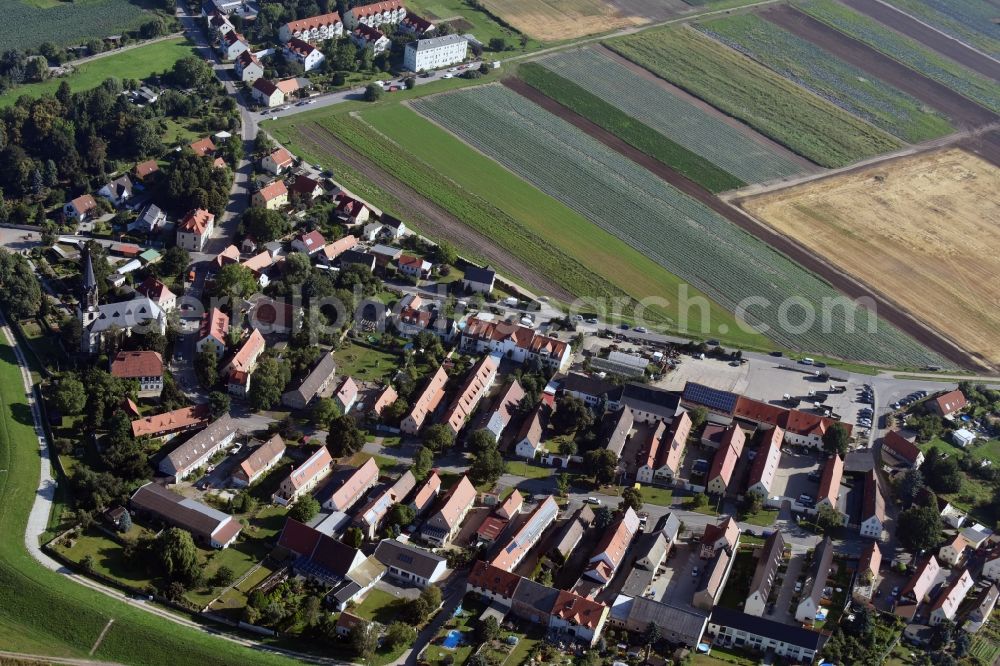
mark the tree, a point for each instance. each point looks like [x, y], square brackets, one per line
[562, 484]
[603, 517]
[631, 497]
[828, 518]
[364, 640]
[344, 438]
[439, 437]
[699, 500]
[304, 509]
[191, 72]
[268, 383]
[206, 367]
[395, 412]
[354, 537]
[422, 463]
[836, 441]
[178, 555]
[70, 395]
[919, 528]
[324, 411]
[910, 486]
[481, 440]
[698, 416]
[603, 465]
[488, 630]
[445, 253]
[942, 474]
[432, 598]
[498, 44]
[399, 634]
[753, 503]
[400, 515]
[264, 224]
[174, 262]
[487, 466]
[373, 92]
[224, 576]
[218, 403]
[650, 636]
[234, 281]
[125, 524]
[572, 414]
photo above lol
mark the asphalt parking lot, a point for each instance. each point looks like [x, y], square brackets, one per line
[677, 585]
[792, 477]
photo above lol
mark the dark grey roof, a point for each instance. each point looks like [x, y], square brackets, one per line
[651, 546]
[758, 626]
[767, 564]
[818, 570]
[397, 554]
[536, 595]
[480, 275]
[685, 621]
[671, 526]
[355, 257]
[587, 385]
[710, 398]
[573, 531]
[648, 399]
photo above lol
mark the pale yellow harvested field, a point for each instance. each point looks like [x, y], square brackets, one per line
[551, 20]
[923, 230]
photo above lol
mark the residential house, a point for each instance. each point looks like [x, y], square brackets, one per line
[367, 37]
[434, 53]
[977, 534]
[528, 535]
[494, 585]
[346, 395]
[671, 451]
[829, 482]
[351, 211]
[515, 342]
[259, 265]
[477, 384]
[591, 389]
[302, 479]
[720, 474]
[144, 170]
[219, 23]
[650, 447]
[765, 464]
[230, 255]
[244, 363]
[414, 25]
[212, 334]
[679, 624]
[479, 280]
[272, 196]
[375, 14]
[317, 381]
[247, 67]
[149, 221]
[208, 526]
[353, 487]
[534, 602]
[769, 559]
[305, 188]
[144, 367]
[724, 535]
[313, 29]
[203, 147]
[267, 94]
[991, 565]
[426, 495]
[443, 525]
[259, 462]
[80, 208]
[170, 423]
[812, 591]
[356, 258]
[611, 548]
[948, 403]
[411, 564]
[425, 404]
[347, 623]
[731, 628]
[232, 44]
[947, 602]
[528, 441]
[649, 404]
[303, 53]
[331, 251]
[291, 85]
[869, 565]
[309, 243]
[921, 582]
[387, 397]
[873, 508]
[618, 427]
[277, 161]
[393, 228]
[902, 448]
[712, 581]
[980, 615]
[415, 267]
[118, 191]
[496, 419]
[196, 451]
[369, 518]
[953, 552]
[578, 616]
[195, 229]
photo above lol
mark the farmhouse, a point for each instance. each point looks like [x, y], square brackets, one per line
[496, 419]
[921, 582]
[346, 395]
[207, 525]
[724, 535]
[953, 552]
[316, 382]
[435, 53]
[678, 624]
[313, 29]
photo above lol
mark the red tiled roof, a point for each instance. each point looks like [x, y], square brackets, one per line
[461, 496]
[522, 336]
[360, 479]
[299, 538]
[429, 398]
[901, 446]
[144, 169]
[273, 190]
[728, 454]
[84, 203]
[296, 45]
[347, 392]
[829, 483]
[922, 580]
[492, 527]
[318, 462]
[247, 58]
[476, 384]
[333, 18]
[197, 221]
[288, 86]
[727, 529]
[758, 411]
[265, 86]
[282, 157]
[137, 364]
[263, 455]
[312, 240]
[154, 289]
[950, 402]
[386, 398]
[766, 463]
[488, 577]
[214, 323]
[578, 610]
[874, 502]
[427, 492]
[179, 419]
[376, 8]
[203, 147]
[651, 448]
[253, 346]
[339, 246]
[368, 33]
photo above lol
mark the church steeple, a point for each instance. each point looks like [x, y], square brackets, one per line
[88, 299]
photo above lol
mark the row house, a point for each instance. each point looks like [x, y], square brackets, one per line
[371, 515]
[261, 460]
[353, 487]
[765, 464]
[426, 495]
[304, 478]
[443, 525]
[267, 93]
[731, 628]
[426, 403]
[375, 14]
[477, 384]
[515, 342]
[313, 29]
[414, 25]
[196, 452]
[172, 422]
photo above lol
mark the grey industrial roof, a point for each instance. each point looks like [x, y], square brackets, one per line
[734, 619]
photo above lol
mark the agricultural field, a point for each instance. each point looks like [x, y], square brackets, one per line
[676, 119]
[138, 63]
[748, 91]
[26, 24]
[919, 225]
[559, 20]
[680, 234]
[463, 17]
[906, 50]
[969, 21]
[848, 87]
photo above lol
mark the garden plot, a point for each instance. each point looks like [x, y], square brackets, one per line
[678, 120]
[682, 235]
[906, 50]
[969, 21]
[745, 89]
[819, 71]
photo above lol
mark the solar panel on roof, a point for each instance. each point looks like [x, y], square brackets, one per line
[723, 401]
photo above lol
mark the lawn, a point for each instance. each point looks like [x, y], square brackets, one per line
[107, 556]
[528, 470]
[385, 464]
[740, 576]
[657, 496]
[764, 518]
[722, 656]
[975, 495]
[774, 106]
[43, 612]
[482, 26]
[137, 63]
[365, 363]
[28, 23]
[379, 606]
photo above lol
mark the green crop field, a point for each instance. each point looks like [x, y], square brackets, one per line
[25, 24]
[137, 63]
[970, 21]
[586, 260]
[631, 130]
[43, 612]
[680, 234]
[829, 77]
[774, 106]
[701, 133]
[908, 51]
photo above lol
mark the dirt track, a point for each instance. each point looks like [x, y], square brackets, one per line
[843, 283]
[929, 37]
[986, 146]
[434, 220]
[961, 110]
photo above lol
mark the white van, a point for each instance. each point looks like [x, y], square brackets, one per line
[807, 361]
